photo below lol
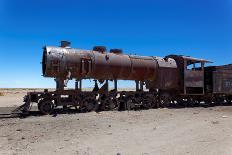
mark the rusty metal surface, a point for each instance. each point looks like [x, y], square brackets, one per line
[111, 66]
[170, 81]
[167, 79]
[194, 78]
[222, 81]
[195, 59]
[191, 79]
[81, 64]
[168, 75]
[145, 67]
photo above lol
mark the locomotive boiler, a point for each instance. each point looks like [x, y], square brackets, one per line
[174, 80]
[65, 63]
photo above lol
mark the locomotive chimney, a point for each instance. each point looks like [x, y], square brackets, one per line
[65, 44]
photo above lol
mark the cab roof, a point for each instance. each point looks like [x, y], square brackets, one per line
[196, 60]
[190, 59]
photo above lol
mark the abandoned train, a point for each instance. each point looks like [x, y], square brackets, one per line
[160, 82]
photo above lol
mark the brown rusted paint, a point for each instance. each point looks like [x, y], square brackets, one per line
[145, 67]
[168, 79]
[194, 78]
[191, 80]
[157, 72]
[92, 64]
[222, 81]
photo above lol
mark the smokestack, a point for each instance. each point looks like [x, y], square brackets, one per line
[65, 44]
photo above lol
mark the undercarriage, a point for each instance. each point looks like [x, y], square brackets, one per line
[86, 101]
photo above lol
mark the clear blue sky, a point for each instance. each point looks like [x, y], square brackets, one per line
[199, 28]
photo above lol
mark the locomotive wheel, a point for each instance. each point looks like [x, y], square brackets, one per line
[122, 101]
[46, 107]
[164, 99]
[89, 104]
[108, 103]
[227, 101]
[217, 101]
[164, 102]
[130, 104]
[148, 102]
[191, 102]
[111, 103]
[122, 106]
[208, 103]
[182, 102]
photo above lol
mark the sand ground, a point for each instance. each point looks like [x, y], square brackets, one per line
[147, 132]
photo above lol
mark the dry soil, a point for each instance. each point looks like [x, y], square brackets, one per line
[147, 132]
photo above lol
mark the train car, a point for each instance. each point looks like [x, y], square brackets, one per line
[218, 83]
[174, 80]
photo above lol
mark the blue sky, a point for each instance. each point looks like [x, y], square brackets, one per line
[199, 28]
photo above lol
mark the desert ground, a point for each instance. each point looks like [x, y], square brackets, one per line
[147, 132]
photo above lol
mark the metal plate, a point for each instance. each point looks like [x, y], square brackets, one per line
[194, 78]
[222, 81]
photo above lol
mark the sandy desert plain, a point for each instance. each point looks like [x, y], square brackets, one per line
[146, 132]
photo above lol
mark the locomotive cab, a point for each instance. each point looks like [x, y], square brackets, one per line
[191, 71]
[194, 76]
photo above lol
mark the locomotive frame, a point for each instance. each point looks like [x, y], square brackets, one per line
[174, 85]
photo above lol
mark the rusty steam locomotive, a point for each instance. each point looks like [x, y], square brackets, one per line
[160, 82]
